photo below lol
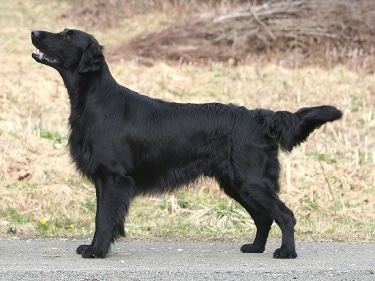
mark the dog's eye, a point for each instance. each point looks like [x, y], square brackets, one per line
[68, 36]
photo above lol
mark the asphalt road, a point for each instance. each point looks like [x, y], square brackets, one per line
[55, 259]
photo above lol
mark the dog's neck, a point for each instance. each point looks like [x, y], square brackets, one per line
[81, 85]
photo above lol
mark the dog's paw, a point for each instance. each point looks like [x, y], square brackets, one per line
[284, 253]
[81, 249]
[88, 251]
[250, 248]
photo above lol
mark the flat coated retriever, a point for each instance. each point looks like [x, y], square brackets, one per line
[128, 144]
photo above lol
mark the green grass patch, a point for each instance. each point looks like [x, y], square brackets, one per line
[327, 158]
[62, 227]
[53, 136]
[14, 216]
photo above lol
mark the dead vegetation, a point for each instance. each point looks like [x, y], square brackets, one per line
[291, 33]
[328, 182]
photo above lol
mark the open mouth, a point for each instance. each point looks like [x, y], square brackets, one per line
[43, 57]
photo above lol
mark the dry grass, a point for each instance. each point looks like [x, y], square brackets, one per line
[328, 182]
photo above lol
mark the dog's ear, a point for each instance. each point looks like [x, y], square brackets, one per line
[92, 58]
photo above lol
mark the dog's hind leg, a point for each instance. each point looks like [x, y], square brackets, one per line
[264, 207]
[269, 208]
[284, 217]
[262, 222]
[113, 200]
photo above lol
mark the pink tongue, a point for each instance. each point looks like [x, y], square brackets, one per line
[39, 53]
[45, 55]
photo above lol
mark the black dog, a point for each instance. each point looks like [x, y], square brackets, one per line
[129, 144]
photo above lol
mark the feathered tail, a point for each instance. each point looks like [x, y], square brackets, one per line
[294, 128]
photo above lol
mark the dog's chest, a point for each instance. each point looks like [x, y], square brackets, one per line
[81, 151]
[93, 145]
[81, 143]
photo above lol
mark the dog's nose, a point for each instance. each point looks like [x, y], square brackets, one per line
[35, 34]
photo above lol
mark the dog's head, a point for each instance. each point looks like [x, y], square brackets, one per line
[69, 50]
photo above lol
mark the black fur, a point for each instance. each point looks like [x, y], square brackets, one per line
[129, 144]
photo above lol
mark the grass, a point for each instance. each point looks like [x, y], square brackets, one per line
[328, 182]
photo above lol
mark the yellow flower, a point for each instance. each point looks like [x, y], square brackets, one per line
[43, 221]
[72, 225]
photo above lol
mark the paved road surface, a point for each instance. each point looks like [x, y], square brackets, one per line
[54, 259]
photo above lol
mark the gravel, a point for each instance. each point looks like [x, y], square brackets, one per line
[55, 259]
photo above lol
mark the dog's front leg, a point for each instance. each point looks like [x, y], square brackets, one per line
[87, 250]
[113, 200]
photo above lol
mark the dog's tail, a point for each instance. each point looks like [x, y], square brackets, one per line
[291, 129]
